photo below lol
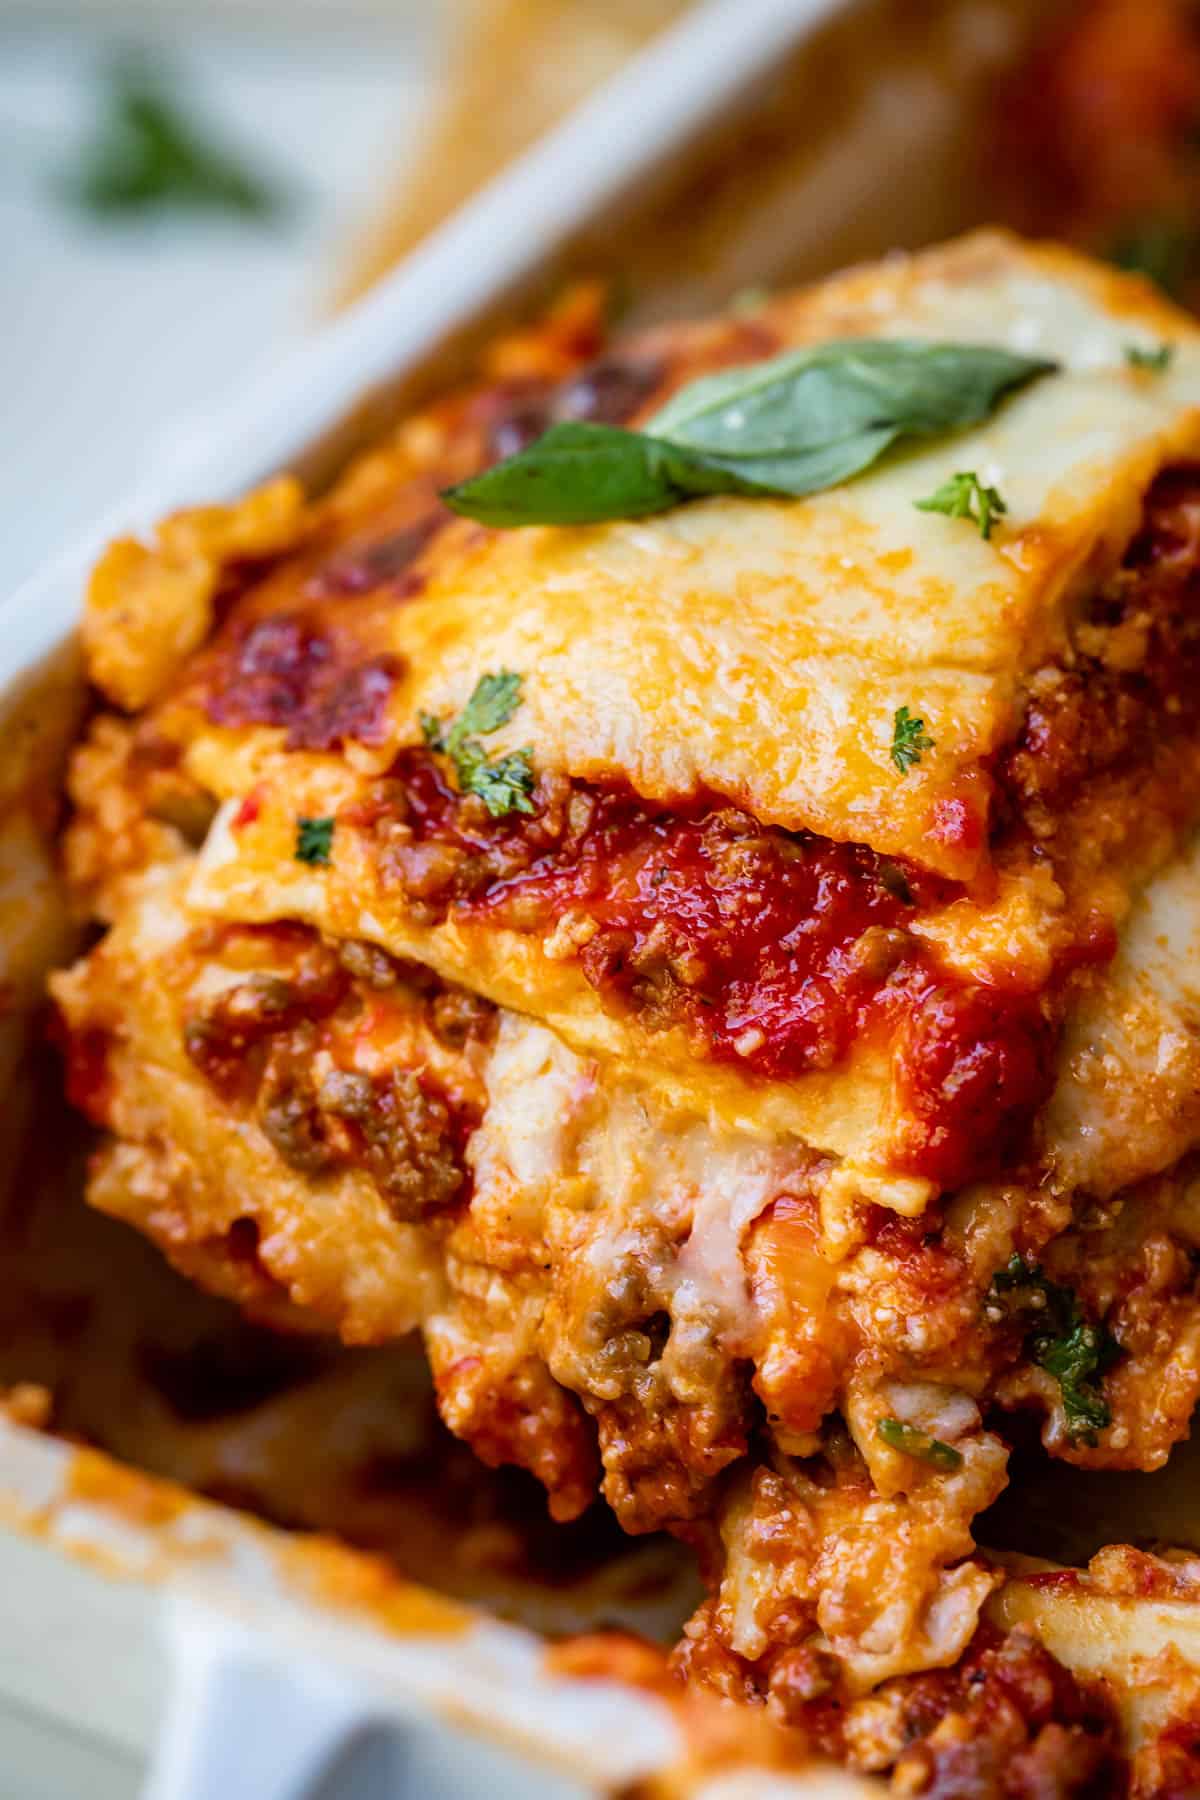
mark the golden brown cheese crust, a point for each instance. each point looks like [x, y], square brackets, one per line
[760, 649]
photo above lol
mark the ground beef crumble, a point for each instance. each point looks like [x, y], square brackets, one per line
[257, 1042]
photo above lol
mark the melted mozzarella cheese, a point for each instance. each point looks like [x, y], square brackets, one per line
[556, 1141]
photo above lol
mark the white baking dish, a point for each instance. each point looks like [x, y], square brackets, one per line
[196, 1639]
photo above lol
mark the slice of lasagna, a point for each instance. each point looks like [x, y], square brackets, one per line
[724, 972]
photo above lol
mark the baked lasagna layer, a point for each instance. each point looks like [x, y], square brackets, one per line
[613, 1293]
[756, 1120]
[725, 874]
[752, 649]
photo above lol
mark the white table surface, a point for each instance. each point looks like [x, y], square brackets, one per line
[109, 331]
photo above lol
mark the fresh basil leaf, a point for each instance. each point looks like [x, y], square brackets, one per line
[792, 425]
[578, 473]
[602, 472]
[806, 472]
[809, 399]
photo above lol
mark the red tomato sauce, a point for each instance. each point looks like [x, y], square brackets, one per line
[774, 951]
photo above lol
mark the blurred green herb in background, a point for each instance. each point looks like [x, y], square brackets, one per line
[1166, 250]
[148, 155]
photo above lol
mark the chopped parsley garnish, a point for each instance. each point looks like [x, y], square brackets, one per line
[1076, 1360]
[909, 740]
[1065, 1343]
[1156, 361]
[913, 1442]
[503, 783]
[493, 703]
[147, 156]
[964, 496]
[314, 840]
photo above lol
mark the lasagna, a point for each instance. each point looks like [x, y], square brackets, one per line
[724, 971]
